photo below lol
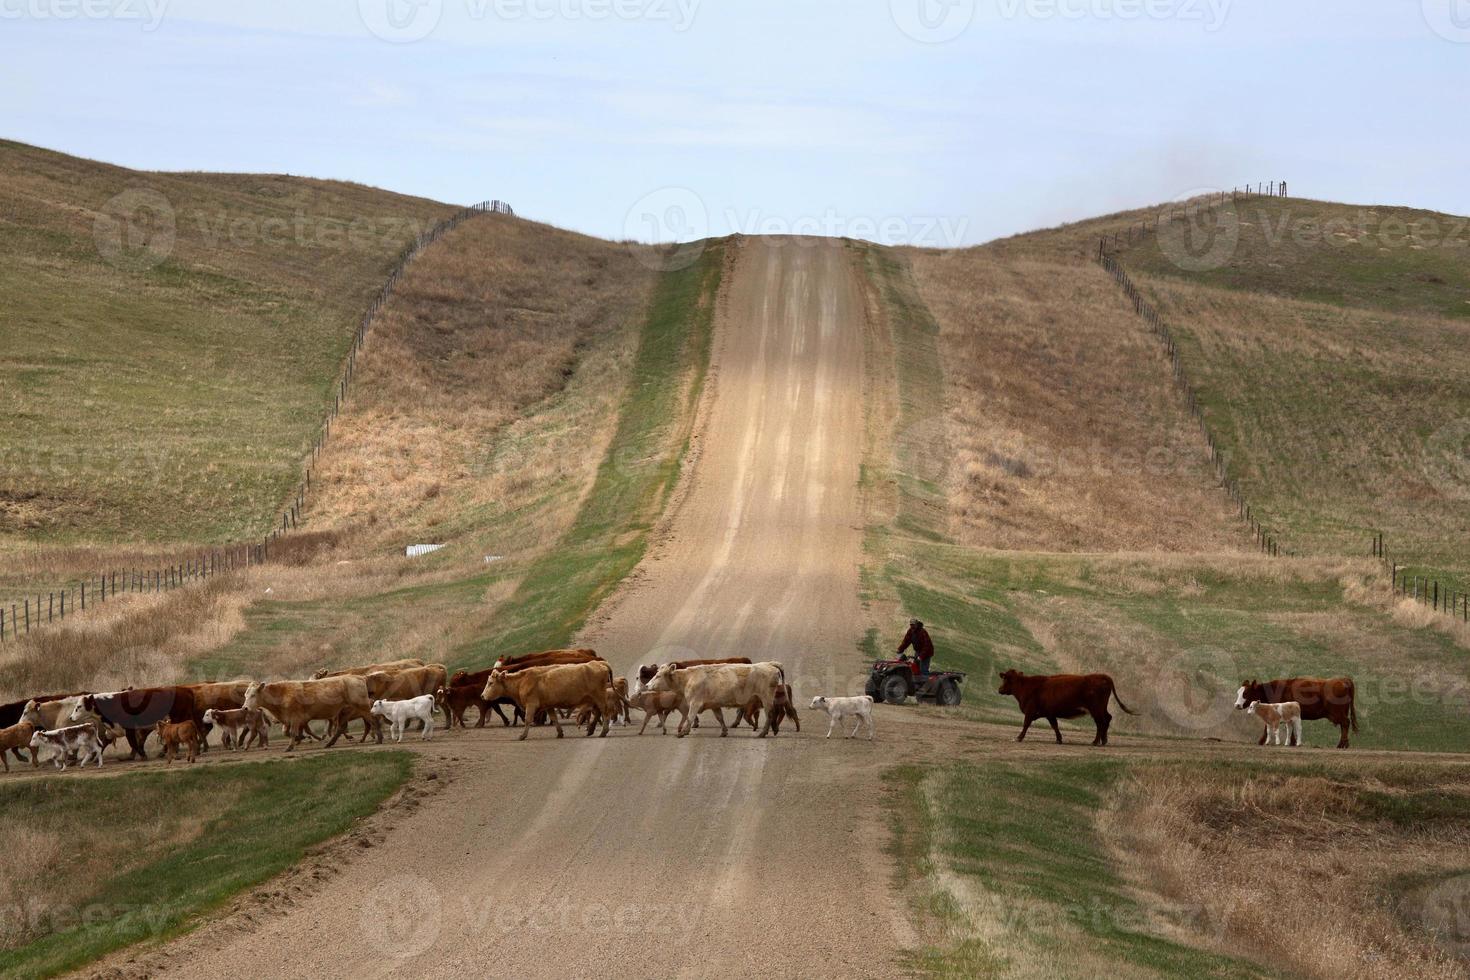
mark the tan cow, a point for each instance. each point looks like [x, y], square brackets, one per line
[556, 686]
[296, 704]
[409, 682]
[714, 687]
[545, 659]
[366, 669]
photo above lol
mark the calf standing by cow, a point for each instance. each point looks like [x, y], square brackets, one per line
[1275, 717]
[1330, 698]
[1063, 696]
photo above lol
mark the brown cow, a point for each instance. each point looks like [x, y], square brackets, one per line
[184, 733]
[1332, 698]
[17, 737]
[476, 681]
[1063, 696]
[458, 698]
[569, 686]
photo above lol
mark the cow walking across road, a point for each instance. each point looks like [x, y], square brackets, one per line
[1063, 696]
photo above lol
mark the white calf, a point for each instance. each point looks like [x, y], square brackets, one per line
[400, 713]
[79, 740]
[859, 708]
[1286, 714]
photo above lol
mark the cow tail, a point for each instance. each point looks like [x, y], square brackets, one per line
[1126, 709]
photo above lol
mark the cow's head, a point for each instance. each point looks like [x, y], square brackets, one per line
[209, 717]
[252, 696]
[31, 713]
[819, 702]
[81, 711]
[38, 739]
[460, 676]
[494, 686]
[1008, 679]
[1250, 709]
[378, 708]
[1249, 691]
[441, 696]
[663, 678]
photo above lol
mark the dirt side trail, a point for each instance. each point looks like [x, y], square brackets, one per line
[656, 856]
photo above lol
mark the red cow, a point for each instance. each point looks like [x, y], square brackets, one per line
[1063, 696]
[1331, 698]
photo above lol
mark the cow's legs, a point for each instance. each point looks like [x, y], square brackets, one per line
[1103, 721]
[1296, 732]
[1025, 727]
[857, 722]
[870, 726]
[1342, 743]
[720, 716]
[831, 723]
[1057, 731]
[555, 717]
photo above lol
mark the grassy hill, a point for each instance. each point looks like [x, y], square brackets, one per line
[1332, 351]
[171, 340]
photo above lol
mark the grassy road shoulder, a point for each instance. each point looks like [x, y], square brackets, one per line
[96, 864]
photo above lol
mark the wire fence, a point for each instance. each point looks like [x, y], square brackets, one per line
[1423, 589]
[1266, 540]
[34, 612]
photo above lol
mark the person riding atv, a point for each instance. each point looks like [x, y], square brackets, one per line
[894, 681]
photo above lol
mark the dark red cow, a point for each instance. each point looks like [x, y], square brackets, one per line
[465, 679]
[1063, 696]
[1331, 698]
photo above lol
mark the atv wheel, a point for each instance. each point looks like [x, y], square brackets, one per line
[895, 689]
[949, 694]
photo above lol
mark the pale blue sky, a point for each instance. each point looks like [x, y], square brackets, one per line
[756, 115]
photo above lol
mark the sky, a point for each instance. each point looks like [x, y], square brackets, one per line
[928, 122]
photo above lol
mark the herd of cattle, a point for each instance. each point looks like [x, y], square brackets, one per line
[540, 689]
[545, 689]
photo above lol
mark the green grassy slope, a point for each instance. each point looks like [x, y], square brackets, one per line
[1330, 349]
[226, 828]
[160, 378]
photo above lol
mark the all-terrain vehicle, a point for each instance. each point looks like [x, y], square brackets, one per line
[894, 681]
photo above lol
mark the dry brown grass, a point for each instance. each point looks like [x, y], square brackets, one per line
[487, 324]
[1302, 871]
[1065, 431]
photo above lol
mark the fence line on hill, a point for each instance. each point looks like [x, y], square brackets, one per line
[22, 617]
[1421, 588]
[1266, 540]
